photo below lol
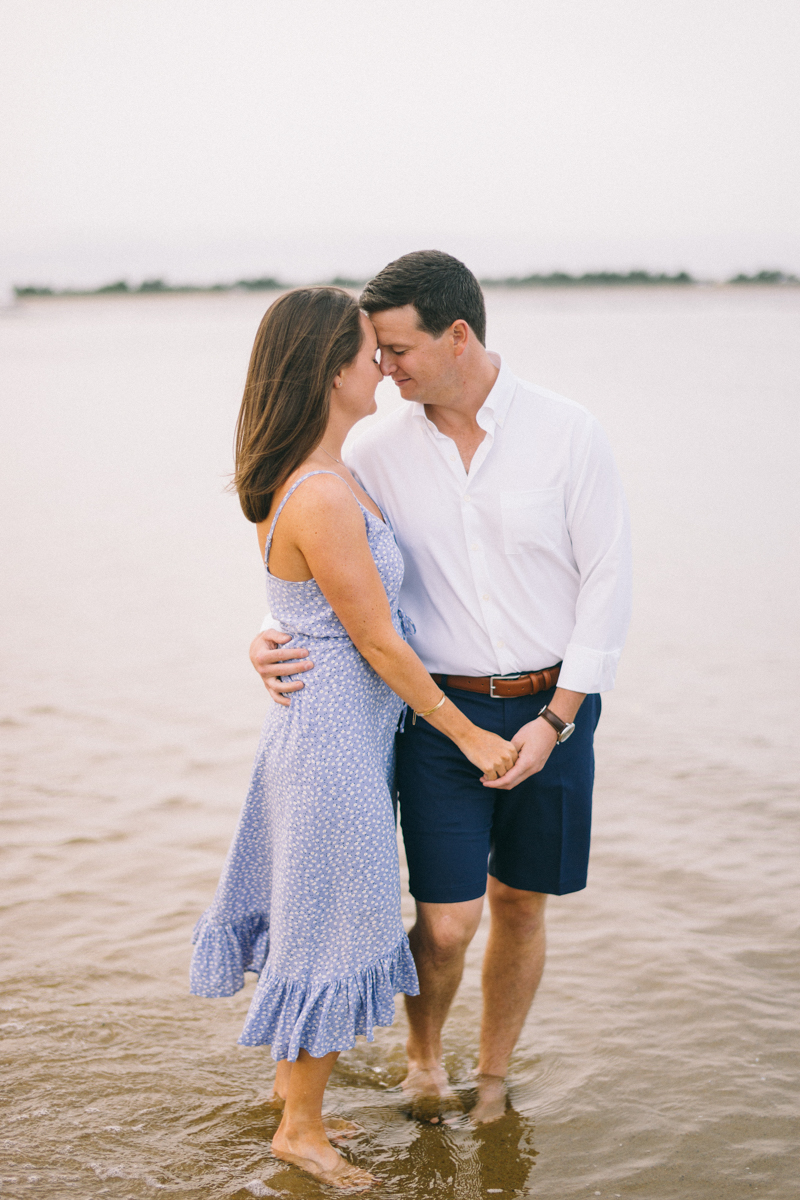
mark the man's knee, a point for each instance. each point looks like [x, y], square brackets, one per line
[444, 931]
[517, 910]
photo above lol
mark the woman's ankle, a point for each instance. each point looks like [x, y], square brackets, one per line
[296, 1127]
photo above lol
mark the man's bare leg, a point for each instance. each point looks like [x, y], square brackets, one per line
[512, 968]
[439, 942]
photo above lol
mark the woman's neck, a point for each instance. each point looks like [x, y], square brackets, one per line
[326, 454]
[334, 436]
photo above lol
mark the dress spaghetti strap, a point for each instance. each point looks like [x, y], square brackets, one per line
[292, 489]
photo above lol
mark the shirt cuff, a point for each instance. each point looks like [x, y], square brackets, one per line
[586, 670]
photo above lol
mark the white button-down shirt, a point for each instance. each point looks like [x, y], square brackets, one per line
[520, 563]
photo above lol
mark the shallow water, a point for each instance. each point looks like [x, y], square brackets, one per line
[660, 1059]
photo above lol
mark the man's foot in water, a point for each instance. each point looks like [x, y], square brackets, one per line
[428, 1089]
[492, 1099]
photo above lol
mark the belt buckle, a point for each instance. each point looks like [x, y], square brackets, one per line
[492, 678]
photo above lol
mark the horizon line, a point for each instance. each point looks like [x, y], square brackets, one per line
[156, 286]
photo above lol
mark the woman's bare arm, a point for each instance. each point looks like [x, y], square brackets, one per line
[325, 523]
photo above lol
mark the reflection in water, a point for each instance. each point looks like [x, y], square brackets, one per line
[506, 1152]
[454, 1162]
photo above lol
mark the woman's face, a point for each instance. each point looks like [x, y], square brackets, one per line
[360, 379]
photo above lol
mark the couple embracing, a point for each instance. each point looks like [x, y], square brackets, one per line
[453, 594]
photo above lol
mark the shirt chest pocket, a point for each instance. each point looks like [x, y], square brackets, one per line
[533, 519]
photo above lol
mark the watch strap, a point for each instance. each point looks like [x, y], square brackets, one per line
[552, 720]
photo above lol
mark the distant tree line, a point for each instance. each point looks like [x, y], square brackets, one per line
[156, 286]
[590, 278]
[268, 283]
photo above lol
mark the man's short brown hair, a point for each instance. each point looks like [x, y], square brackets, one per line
[440, 287]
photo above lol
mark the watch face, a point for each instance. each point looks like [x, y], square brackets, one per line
[566, 732]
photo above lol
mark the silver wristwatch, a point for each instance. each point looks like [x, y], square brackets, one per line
[562, 728]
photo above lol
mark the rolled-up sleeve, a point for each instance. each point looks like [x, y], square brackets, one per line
[599, 528]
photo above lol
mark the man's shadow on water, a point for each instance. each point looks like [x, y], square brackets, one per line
[465, 1162]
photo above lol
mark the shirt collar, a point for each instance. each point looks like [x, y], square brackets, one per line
[496, 404]
[499, 398]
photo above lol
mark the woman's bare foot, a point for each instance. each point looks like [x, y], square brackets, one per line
[337, 1129]
[311, 1151]
[491, 1102]
[428, 1089]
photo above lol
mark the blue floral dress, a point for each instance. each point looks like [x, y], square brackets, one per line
[310, 892]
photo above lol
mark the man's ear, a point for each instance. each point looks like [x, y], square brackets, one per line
[459, 331]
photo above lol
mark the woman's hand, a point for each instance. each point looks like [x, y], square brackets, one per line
[492, 754]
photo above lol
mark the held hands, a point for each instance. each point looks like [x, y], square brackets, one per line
[504, 764]
[492, 754]
[534, 743]
[272, 662]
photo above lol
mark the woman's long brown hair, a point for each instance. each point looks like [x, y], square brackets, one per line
[303, 341]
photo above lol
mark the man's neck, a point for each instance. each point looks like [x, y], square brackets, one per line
[458, 406]
[455, 414]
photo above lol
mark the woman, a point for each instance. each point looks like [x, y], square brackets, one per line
[310, 892]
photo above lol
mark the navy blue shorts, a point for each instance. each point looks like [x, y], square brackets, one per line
[534, 837]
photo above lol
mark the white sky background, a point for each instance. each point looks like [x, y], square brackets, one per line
[201, 140]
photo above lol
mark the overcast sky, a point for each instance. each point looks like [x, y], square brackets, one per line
[198, 140]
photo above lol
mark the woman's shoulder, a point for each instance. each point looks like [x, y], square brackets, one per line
[320, 492]
[322, 510]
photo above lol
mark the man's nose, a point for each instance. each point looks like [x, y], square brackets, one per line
[386, 364]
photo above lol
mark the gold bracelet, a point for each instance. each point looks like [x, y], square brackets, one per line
[428, 711]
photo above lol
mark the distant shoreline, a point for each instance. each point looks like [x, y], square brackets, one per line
[559, 279]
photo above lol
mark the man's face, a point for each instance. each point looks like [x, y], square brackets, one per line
[423, 367]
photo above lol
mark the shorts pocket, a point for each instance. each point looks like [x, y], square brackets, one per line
[532, 518]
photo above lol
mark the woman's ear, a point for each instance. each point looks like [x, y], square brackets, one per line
[337, 381]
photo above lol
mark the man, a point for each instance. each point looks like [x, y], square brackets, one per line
[511, 519]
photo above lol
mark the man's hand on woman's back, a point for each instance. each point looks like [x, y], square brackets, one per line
[272, 662]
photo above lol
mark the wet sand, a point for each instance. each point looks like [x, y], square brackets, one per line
[660, 1059]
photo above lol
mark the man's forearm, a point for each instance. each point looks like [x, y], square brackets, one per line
[565, 704]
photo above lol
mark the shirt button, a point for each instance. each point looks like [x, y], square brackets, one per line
[466, 499]
[500, 643]
[452, 458]
[485, 595]
[474, 546]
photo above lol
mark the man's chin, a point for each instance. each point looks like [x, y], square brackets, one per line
[408, 390]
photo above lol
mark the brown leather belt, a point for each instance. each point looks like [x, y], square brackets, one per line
[503, 687]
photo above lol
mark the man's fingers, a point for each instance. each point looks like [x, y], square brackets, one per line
[273, 635]
[517, 773]
[293, 652]
[274, 670]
